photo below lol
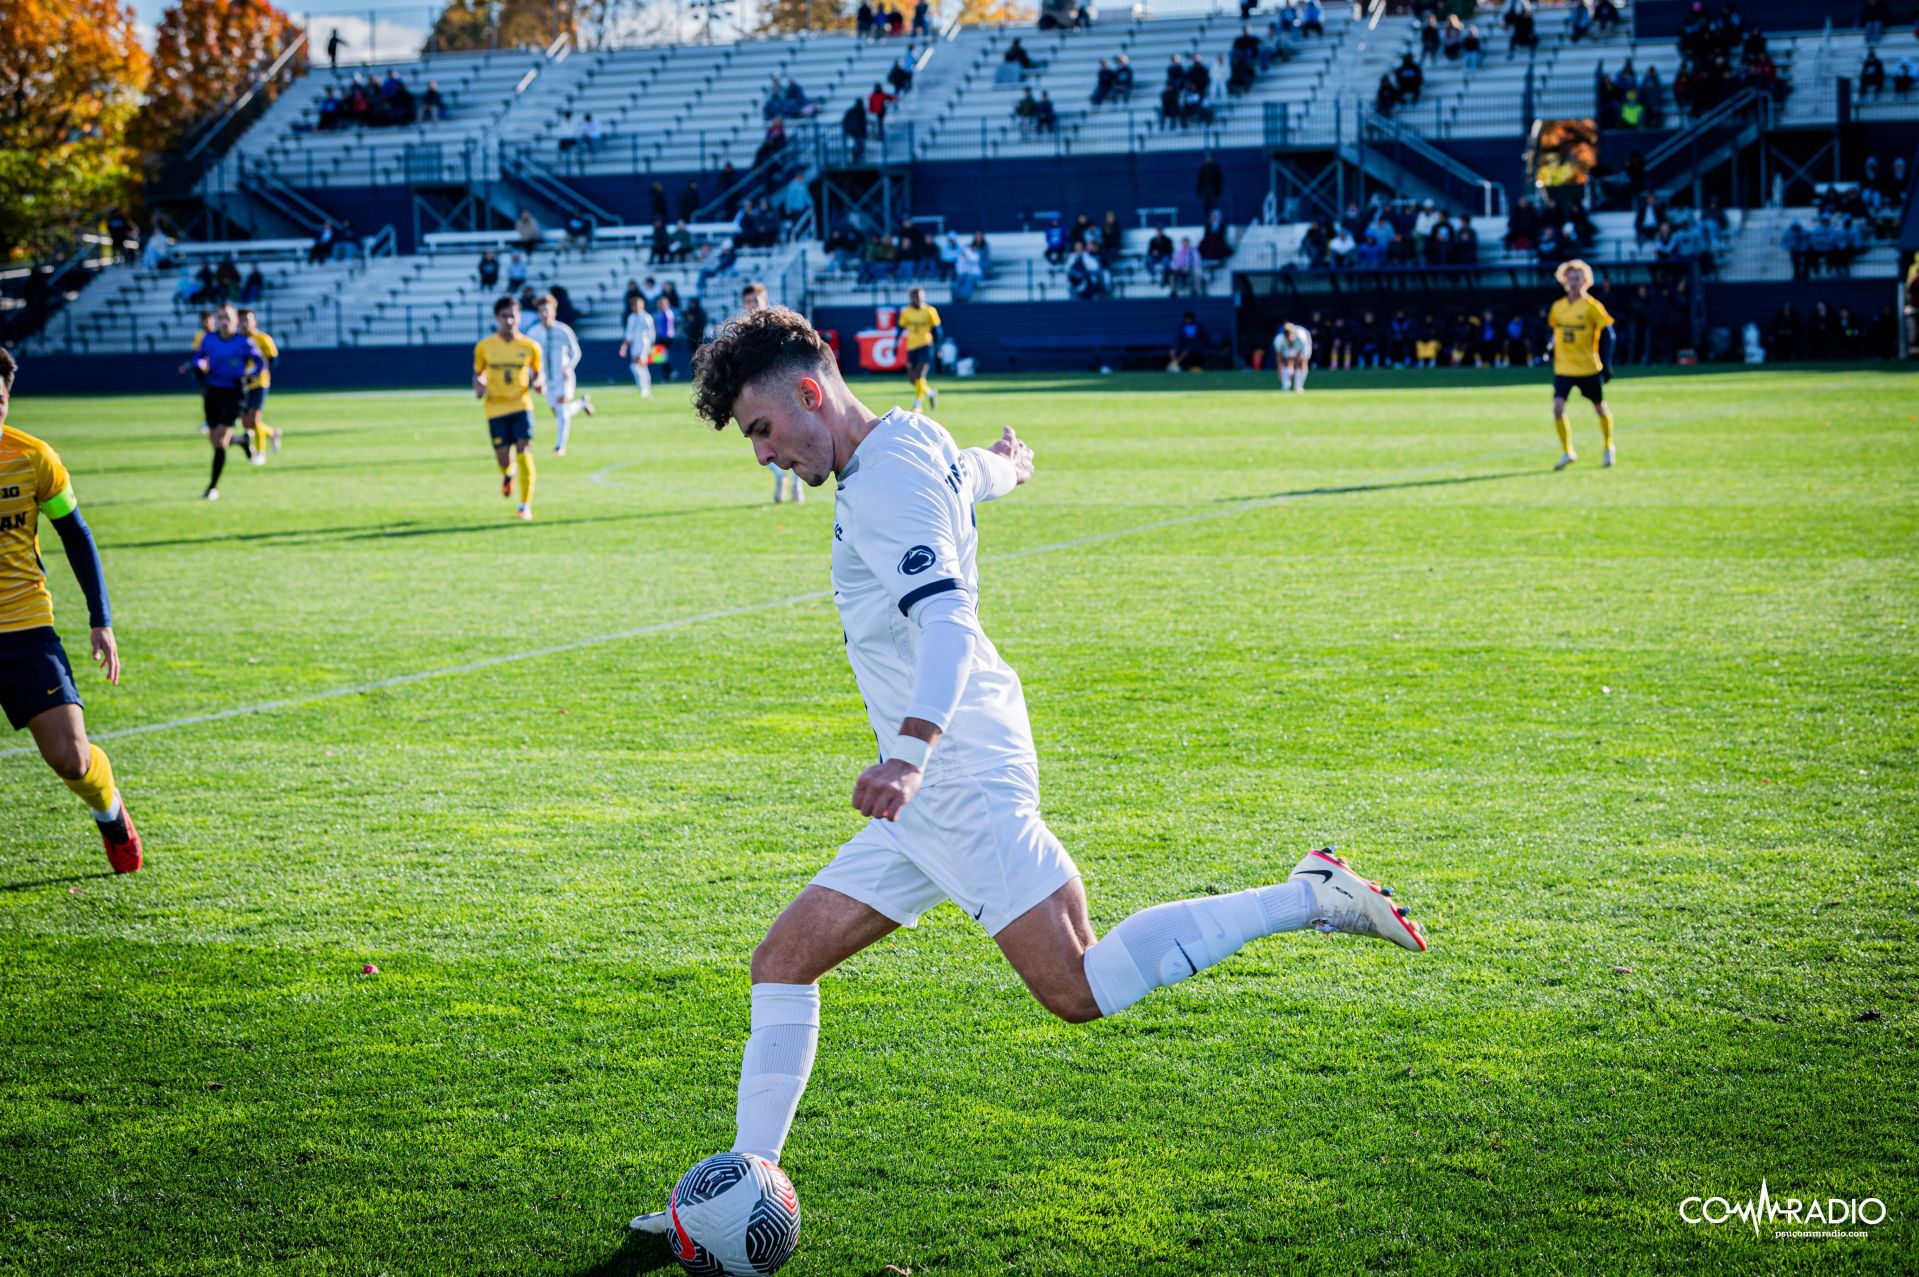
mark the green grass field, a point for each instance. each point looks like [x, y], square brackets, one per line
[1637, 745]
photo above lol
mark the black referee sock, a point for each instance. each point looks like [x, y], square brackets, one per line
[219, 464]
[246, 441]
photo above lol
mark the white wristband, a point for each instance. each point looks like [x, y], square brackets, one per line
[911, 750]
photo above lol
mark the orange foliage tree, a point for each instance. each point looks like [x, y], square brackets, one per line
[71, 75]
[207, 53]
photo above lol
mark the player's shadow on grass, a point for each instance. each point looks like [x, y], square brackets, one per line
[31, 883]
[1392, 485]
[639, 1253]
[395, 531]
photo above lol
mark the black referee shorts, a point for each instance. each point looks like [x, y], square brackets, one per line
[1593, 387]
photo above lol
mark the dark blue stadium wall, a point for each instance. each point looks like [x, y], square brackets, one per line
[631, 196]
[996, 195]
[369, 208]
[1734, 305]
[996, 337]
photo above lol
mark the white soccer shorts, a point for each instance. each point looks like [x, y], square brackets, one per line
[564, 392]
[976, 840]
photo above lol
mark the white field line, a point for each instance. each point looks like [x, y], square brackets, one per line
[744, 609]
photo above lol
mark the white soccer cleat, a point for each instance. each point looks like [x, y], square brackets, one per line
[1346, 902]
[211, 494]
[934, 397]
[257, 459]
[1607, 463]
[1565, 460]
[274, 438]
[586, 404]
[659, 1221]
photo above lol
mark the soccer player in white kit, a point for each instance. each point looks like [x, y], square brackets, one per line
[1293, 352]
[636, 343]
[560, 355]
[752, 298]
[954, 797]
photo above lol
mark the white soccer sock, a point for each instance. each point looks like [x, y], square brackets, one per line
[641, 378]
[1165, 944]
[112, 813]
[778, 1060]
[1285, 378]
[562, 418]
[1299, 379]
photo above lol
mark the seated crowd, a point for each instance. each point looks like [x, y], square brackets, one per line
[1390, 233]
[382, 104]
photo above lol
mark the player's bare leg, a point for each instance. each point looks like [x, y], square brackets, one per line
[256, 432]
[819, 930]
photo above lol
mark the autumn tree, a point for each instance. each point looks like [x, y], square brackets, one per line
[508, 24]
[207, 53]
[71, 75]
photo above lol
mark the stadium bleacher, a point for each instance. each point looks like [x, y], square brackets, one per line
[677, 114]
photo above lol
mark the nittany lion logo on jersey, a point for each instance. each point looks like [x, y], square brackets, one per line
[917, 560]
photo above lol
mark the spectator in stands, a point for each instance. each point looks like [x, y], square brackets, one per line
[1453, 39]
[968, 270]
[1086, 277]
[592, 132]
[1189, 345]
[770, 145]
[1386, 95]
[1471, 48]
[568, 134]
[516, 263]
[333, 46]
[680, 245]
[1112, 241]
[1873, 16]
[527, 228]
[1582, 23]
[882, 257]
[922, 19]
[876, 103]
[863, 21]
[1058, 242]
[795, 200]
[1159, 253]
[1518, 20]
[1213, 246]
[1903, 77]
[1465, 250]
[1605, 18]
[322, 250]
[1171, 94]
[1798, 246]
[1342, 248]
[900, 77]
[1245, 61]
[1218, 85]
[1310, 21]
[330, 108]
[1199, 83]
[1428, 39]
[1872, 76]
[853, 126]
[1026, 111]
[1210, 185]
[895, 21]
[1408, 80]
[432, 105]
[1016, 54]
[1045, 118]
[579, 232]
[1103, 82]
[1123, 79]
[1182, 269]
[157, 252]
[489, 270]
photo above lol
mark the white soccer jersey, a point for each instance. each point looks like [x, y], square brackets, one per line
[903, 532]
[559, 353]
[1301, 347]
[638, 334]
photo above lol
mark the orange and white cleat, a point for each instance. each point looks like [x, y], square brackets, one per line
[1346, 902]
[123, 853]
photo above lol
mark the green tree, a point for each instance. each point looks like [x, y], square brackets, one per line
[71, 75]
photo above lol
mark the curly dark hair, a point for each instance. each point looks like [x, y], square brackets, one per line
[749, 347]
[7, 368]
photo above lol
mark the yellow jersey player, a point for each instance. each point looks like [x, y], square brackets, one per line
[506, 372]
[1583, 337]
[36, 682]
[922, 325]
[256, 400]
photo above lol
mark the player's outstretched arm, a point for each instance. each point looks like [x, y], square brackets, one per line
[999, 469]
[83, 556]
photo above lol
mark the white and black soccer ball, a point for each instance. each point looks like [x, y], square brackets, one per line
[734, 1215]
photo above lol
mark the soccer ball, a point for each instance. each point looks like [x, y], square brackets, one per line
[734, 1215]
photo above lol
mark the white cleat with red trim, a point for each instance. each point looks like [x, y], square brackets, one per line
[658, 1222]
[1357, 906]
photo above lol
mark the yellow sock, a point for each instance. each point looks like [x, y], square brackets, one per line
[919, 387]
[525, 460]
[1605, 427]
[260, 433]
[1565, 429]
[96, 787]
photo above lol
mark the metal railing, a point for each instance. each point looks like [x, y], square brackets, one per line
[1419, 158]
